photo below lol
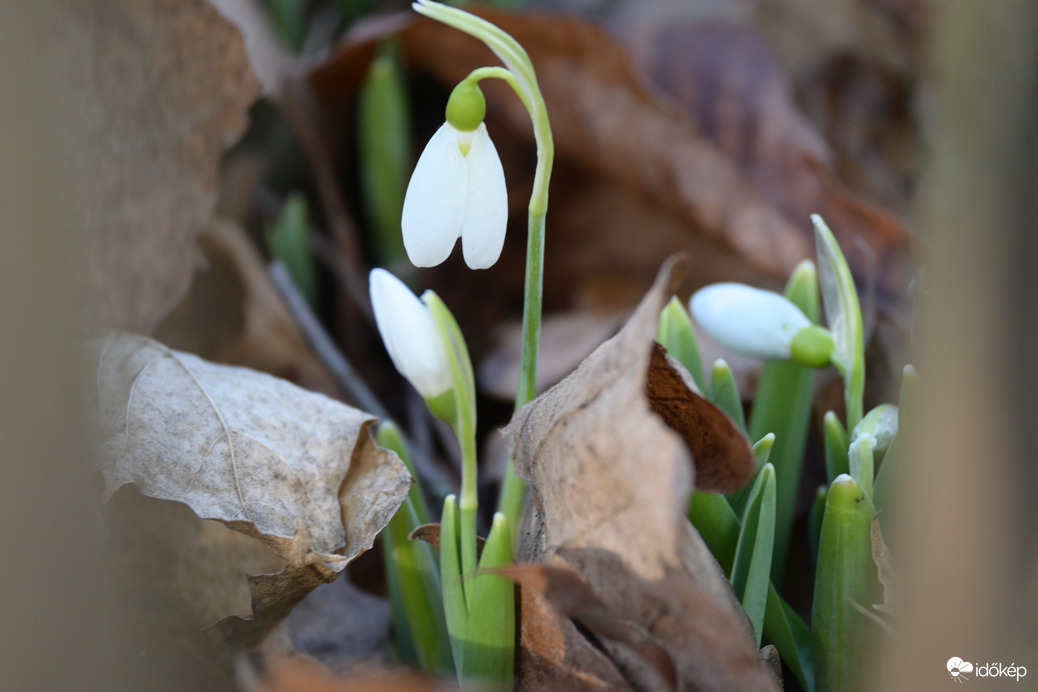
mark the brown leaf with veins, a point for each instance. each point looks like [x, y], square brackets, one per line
[610, 488]
[293, 469]
[159, 89]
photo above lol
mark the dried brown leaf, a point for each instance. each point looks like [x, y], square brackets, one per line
[723, 456]
[573, 597]
[293, 469]
[610, 489]
[159, 89]
[726, 80]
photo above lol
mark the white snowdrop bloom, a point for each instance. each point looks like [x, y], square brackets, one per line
[748, 320]
[457, 190]
[410, 334]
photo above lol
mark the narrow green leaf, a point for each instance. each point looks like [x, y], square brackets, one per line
[416, 594]
[718, 525]
[389, 437]
[454, 604]
[762, 451]
[843, 312]
[836, 446]
[490, 639]
[862, 462]
[752, 567]
[782, 406]
[725, 392]
[814, 521]
[289, 241]
[677, 335]
[792, 637]
[845, 580]
[385, 153]
[403, 637]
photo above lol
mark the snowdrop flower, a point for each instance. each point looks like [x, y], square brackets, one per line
[410, 334]
[457, 189]
[760, 324]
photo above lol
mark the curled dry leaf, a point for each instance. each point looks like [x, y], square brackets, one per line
[293, 469]
[611, 484]
[573, 597]
[159, 89]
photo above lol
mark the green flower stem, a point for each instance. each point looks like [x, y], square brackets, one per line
[464, 423]
[523, 81]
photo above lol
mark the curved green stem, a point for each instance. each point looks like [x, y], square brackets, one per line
[521, 77]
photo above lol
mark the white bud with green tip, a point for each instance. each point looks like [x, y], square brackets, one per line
[457, 189]
[760, 324]
[410, 335]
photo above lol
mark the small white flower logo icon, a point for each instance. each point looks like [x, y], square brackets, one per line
[957, 667]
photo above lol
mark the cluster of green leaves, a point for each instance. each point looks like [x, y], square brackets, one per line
[749, 532]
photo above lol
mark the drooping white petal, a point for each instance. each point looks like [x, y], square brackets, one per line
[434, 204]
[748, 320]
[409, 332]
[486, 214]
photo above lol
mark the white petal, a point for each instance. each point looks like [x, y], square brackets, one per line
[756, 323]
[434, 204]
[486, 215]
[409, 332]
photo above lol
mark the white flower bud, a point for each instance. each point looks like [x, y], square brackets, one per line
[748, 320]
[410, 334]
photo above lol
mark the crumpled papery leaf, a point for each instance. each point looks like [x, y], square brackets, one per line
[293, 469]
[610, 489]
[159, 89]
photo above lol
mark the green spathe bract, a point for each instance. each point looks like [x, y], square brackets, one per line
[843, 312]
